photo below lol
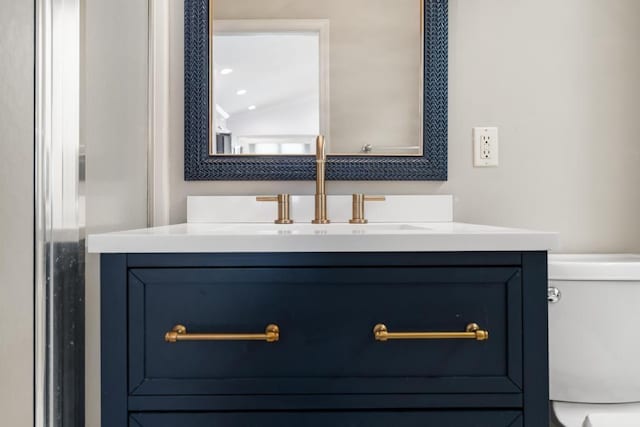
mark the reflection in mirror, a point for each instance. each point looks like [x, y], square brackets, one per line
[284, 72]
[266, 84]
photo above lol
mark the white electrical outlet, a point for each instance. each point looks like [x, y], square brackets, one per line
[485, 147]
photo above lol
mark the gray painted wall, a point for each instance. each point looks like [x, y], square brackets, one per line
[16, 211]
[114, 75]
[560, 79]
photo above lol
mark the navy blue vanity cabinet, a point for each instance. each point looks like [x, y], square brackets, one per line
[371, 340]
[333, 419]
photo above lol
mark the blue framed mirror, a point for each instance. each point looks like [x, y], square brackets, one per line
[263, 80]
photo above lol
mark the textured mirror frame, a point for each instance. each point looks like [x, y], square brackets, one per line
[200, 166]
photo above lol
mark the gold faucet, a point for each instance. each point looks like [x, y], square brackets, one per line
[321, 195]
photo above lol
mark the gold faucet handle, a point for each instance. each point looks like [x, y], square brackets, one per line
[358, 207]
[284, 203]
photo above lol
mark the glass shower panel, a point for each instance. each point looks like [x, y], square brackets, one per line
[91, 176]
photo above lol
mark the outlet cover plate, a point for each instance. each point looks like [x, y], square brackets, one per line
[486, 152]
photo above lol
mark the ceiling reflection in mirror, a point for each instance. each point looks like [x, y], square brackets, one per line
[284, 72]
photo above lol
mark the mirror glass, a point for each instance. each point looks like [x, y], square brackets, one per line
[286, 71]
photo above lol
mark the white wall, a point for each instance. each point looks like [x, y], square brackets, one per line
[16, 211]
[560, 79]
[114, 92]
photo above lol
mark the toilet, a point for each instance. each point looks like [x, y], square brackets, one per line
[594, 340]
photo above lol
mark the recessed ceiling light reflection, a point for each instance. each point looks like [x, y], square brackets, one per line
[222, 112]
[252, 107]
[226, 71]
[241, 92]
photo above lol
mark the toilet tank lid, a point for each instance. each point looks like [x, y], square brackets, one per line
[595, 267]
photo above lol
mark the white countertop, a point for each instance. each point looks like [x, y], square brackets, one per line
[219, 224]
[377, 237]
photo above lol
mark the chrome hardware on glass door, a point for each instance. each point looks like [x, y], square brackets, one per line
[473, 332]
[179, 333]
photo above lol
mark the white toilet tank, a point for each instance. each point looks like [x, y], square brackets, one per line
[594, 328]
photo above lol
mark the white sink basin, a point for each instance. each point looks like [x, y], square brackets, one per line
[313, 229]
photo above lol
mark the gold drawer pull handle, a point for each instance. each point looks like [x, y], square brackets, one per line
[179, 333]
[473, 332]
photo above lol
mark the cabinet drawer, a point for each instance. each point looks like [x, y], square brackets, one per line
[331, 419]
[326, 319]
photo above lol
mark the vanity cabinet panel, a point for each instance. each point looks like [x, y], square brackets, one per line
[326, 369]
[332, 419]
[326, 319]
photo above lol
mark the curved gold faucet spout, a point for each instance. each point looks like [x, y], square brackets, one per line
[321, 153]
[321, 196]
